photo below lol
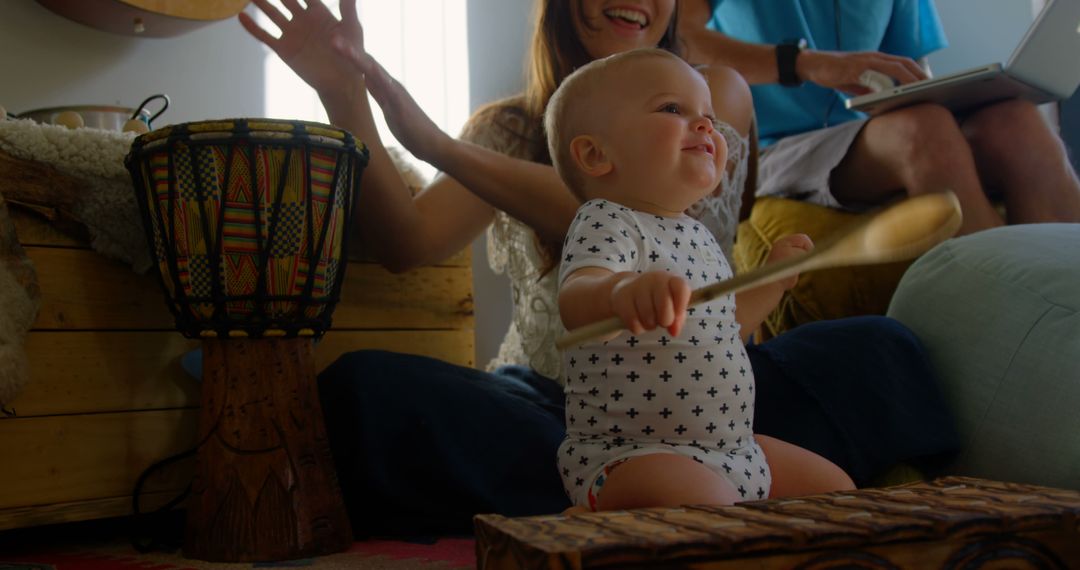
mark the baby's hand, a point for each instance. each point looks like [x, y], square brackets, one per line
[786, 247]
[652, 299]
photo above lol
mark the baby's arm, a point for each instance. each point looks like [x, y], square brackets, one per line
[752, 306]
[643, 301]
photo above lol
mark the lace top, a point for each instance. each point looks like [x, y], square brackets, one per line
[512, 246]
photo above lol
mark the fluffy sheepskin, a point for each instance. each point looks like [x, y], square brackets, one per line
[106, 206]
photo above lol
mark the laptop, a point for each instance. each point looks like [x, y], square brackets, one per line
[1045, 67]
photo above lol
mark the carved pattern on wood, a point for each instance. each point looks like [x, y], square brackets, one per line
[265, 487]
[953, 522]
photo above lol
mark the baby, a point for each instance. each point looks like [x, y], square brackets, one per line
[660, 415]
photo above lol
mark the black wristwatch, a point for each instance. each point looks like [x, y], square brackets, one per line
[786, 54]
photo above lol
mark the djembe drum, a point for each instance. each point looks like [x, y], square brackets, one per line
[248, 221]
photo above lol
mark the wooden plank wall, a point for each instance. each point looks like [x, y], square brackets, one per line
[107, 396]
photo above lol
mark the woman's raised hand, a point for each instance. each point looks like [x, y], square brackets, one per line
[410, 125]
[306, 42]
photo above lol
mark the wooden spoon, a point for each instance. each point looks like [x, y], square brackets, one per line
[902, 231]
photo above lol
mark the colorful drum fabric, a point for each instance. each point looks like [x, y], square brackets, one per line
[248, 221]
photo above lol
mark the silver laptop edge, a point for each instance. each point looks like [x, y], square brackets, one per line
[1020, 77]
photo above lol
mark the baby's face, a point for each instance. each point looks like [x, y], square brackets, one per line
[658, 130]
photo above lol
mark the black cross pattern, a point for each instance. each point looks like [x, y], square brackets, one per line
[682, 362]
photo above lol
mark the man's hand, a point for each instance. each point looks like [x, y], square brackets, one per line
[841, 70]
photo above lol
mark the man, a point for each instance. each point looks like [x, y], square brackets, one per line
[817, 150]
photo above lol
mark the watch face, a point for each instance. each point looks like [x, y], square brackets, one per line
[786, 54]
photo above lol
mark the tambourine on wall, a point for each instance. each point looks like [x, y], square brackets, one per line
[147, 18]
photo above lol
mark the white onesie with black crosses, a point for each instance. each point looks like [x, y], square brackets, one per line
[651, 393]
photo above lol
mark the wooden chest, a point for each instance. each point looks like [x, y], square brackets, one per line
[107, 396]
[954, 522]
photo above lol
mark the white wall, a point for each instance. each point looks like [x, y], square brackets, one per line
[47, 60]
[980, 32]
[498, 35]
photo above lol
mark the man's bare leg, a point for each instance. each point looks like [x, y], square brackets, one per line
[1020, 156]
[920, 150]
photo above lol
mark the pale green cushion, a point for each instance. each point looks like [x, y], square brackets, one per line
[999, 314]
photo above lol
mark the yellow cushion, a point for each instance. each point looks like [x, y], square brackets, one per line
[823, 294]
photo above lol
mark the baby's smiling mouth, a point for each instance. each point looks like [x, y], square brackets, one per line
[703, 147]
[626, 16]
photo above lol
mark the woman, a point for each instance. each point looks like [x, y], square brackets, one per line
[421, 444]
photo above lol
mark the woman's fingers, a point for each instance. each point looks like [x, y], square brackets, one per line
[317, 8]
[260, 34]
[271, 12]
[293, 6]
[348, 12]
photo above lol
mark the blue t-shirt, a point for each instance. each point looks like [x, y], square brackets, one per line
[908, 28]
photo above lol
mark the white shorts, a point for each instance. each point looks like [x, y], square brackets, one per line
[799, 167]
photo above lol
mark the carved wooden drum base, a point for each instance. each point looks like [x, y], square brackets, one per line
[265, 486]
[954, 523]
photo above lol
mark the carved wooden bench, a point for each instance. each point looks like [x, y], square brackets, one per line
[954, 522]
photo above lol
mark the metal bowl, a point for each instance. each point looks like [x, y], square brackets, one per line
[95, 116]
[100, 116]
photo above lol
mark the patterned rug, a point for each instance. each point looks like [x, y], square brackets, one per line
[104, 545]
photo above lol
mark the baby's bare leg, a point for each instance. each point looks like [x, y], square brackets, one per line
[663, 480]
[797, 471]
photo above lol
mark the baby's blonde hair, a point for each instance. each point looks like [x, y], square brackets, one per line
[564, 117]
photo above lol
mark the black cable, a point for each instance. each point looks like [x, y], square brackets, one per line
[146, 534]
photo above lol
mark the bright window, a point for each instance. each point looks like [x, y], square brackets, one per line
[422, 43]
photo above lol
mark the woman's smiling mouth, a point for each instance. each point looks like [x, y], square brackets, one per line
[627, 17]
